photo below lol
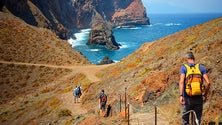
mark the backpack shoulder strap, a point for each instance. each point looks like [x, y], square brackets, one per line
[187, 68]
[192, 69]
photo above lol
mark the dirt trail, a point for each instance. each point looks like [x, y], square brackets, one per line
[146, 119]
[67, 99]
[88, 70]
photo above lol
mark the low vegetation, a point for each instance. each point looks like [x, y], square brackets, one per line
[37, 76]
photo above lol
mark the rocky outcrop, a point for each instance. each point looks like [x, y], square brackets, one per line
[66, 16]
[55, 15]
[103, 35]
[105, 60]
[134, 14]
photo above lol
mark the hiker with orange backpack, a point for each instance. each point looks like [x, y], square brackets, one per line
[102, 103]
[192, 90]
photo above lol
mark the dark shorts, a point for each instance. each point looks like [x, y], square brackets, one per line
[103, 105]
[77, 96]
[195, 104]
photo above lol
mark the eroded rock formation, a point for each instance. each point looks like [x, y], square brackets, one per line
[64, 17]
[134, 14]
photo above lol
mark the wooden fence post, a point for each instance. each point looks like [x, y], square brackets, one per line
[128, 114]
[120, 101]
[125, 102]
[155, 115]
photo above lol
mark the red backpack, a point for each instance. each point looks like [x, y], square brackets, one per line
[103, 98]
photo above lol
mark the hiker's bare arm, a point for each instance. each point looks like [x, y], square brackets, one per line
[181, 85]
[207, 86]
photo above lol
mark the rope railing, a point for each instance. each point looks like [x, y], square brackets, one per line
[179, 116]
[141, 110]
[166, 116]
[125, 98]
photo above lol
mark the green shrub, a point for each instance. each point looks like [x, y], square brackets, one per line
[65, 112]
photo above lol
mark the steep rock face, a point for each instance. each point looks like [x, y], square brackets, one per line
[63, 17]
[102, 12]
[103, 35]
[54, 15]
[134, 14]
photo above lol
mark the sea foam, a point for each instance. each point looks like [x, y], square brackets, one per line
[81, 36]
[173, 24]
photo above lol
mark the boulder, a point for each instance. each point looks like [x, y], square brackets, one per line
[106, 60]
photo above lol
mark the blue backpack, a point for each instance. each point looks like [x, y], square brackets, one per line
[77, 91]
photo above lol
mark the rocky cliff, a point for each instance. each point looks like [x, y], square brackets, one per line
[63, 17]
[134, 14]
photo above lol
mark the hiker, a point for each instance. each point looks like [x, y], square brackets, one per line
[102, 103]
[77, 93]
[192, 90]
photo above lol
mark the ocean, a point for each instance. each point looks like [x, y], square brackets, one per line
[132, 38]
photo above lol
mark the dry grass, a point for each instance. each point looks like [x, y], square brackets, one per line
[17, 80]
[30, 82]
[24, 43]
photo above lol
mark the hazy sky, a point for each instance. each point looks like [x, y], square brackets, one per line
[183, 6]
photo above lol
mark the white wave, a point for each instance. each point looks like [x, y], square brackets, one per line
[123, 45]
[86, 30]
[154, 24]
[116, 61]
[94, 50]
[81, 37]
[172, 24]
[75, 42]
[135, 28]
[128, 27]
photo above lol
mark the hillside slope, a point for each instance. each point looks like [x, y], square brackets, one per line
[32, 81]
[21, 42]
[153, 71]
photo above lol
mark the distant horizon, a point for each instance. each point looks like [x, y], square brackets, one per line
[186, 13]
[183, 6]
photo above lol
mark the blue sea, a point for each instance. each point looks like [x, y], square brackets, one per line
[132, 38]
